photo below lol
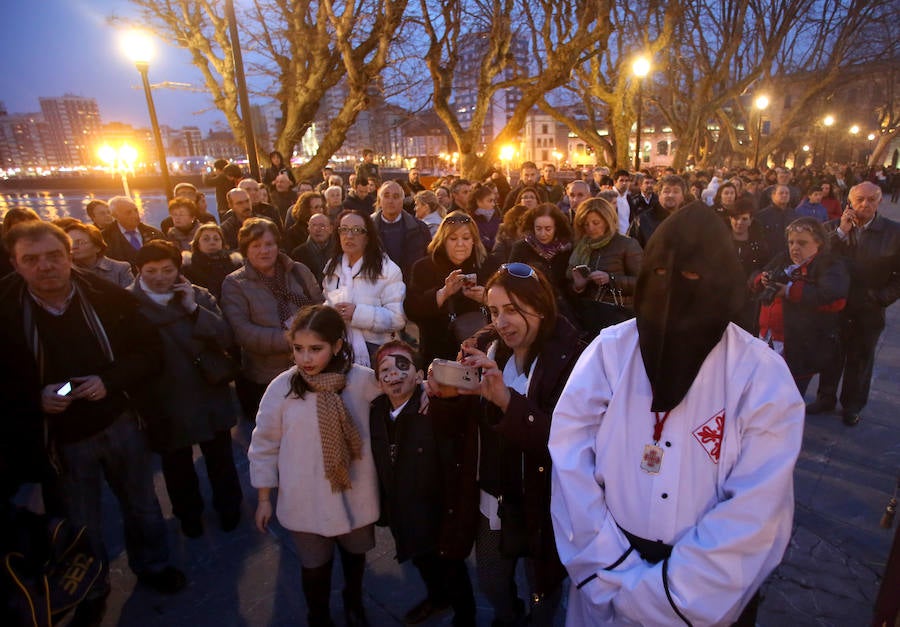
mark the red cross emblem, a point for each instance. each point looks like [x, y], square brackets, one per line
[709, 435]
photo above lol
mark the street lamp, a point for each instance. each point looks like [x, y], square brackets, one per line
[139, 47]
[640, 67]
[828, 122]
[246, 117]
[119, 161]
[761, 103]
[506, 154]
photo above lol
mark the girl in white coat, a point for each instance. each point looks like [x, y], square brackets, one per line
[312, 442]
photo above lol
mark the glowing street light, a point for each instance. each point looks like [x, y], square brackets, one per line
[761, 103]
[854, 130]
[871, 136]
[119, 161]
[640, 67]
[138, 46]
[828, 121]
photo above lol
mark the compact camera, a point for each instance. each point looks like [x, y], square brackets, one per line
[455, 374]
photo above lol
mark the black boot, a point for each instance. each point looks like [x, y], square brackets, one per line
[317, 590]
[354, 564]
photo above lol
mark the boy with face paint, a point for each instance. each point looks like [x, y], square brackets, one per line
[408, 456]
[673, 446]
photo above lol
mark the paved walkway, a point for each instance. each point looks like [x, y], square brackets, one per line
[829, 576]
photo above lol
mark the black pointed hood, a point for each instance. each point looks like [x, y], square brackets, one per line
[680, 318]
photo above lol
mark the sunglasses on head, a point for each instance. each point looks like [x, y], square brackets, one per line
[458, 220]
[519, 270]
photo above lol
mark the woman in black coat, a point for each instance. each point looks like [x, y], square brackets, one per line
[209, 263]
[802, 294]
[440, 286]
[547, 244]
[501, 493]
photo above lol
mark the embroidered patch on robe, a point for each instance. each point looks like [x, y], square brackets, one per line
[709, 435]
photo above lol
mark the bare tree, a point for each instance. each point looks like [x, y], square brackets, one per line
[305, 48]
[560, 35]
[602, 95]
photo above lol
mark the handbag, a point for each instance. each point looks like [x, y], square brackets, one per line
[604, 310]
[53, 570]
[215, 365]
[465, 325]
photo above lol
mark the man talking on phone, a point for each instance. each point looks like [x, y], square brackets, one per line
[871, 245]
[72, 347]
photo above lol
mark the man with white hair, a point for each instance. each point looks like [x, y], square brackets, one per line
[871, 245]
[334, 201]
[127, 234]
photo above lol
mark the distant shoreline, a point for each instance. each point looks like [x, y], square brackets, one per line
[94, 183]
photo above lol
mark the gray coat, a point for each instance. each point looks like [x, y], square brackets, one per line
[114, 271]
[252, 312]
[179, 406]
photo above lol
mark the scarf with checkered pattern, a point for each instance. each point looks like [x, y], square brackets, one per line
[341, 442]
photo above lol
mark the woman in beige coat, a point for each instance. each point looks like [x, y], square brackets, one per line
[259, 301]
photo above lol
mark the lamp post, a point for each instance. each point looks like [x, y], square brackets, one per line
[246, 117]
[828, 122]
[854, 132]
[761, 103]
[640, 67]
[119, 161]
[139, 47]
[506, 154]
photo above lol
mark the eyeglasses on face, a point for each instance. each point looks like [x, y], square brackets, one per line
[351, 230]
[519, 270]
[458, 220]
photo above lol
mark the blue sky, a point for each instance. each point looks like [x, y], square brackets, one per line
[53, 47]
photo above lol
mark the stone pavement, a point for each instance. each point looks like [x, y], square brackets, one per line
[829, 575]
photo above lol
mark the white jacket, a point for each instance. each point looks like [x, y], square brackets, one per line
[379, 305]
[286, 453]
[723, 495]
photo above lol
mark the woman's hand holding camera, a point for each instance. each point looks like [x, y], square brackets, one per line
[599, 277]
[492, 386]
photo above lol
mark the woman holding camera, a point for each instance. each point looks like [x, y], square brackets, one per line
[501, 491]
[604, 264]
[801, 294]
[447, 284]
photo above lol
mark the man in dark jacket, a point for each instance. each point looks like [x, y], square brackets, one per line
[774, 220]
[871, 245]
[318, 248]
[127, 234]
[74, 346]
[671, 197]
[224, 177]
[407, 456]
[403, 237]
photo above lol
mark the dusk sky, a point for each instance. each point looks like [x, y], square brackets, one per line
[54, 47]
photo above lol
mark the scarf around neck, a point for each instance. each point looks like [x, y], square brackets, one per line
[547, 251]
[341, 442]
[288, 302]
[586, 247]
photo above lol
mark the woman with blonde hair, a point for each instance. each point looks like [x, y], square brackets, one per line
[447, 284]
[604, 264]
[429, 210]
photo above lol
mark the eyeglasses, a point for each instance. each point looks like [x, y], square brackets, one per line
[458, 220]
[519, 270]
[351, 230]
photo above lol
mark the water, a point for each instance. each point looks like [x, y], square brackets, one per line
[53, 204]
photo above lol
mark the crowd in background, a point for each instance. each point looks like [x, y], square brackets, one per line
[286, 287]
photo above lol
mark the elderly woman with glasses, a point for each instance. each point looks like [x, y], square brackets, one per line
[801, 294]
[501, 467]
[259, 301]
[88, 253]
[364, 286]
[446, 284]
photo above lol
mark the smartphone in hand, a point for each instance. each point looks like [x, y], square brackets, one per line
[65, 389]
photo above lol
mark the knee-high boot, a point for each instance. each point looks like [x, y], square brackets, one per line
[354, 565]
[317, 590]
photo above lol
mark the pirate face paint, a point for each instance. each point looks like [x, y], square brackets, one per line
[397, 377]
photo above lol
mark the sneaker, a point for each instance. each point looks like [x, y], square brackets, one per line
[820, 406]
[423, 611]
[169, 580]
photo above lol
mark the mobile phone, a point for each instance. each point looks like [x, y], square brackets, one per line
[65, 389]
[583, 270]
[470, 280]
[454, 374]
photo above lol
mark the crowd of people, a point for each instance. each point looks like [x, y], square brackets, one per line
[323, 304]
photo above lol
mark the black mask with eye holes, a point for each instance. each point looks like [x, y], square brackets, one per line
[688, 289]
